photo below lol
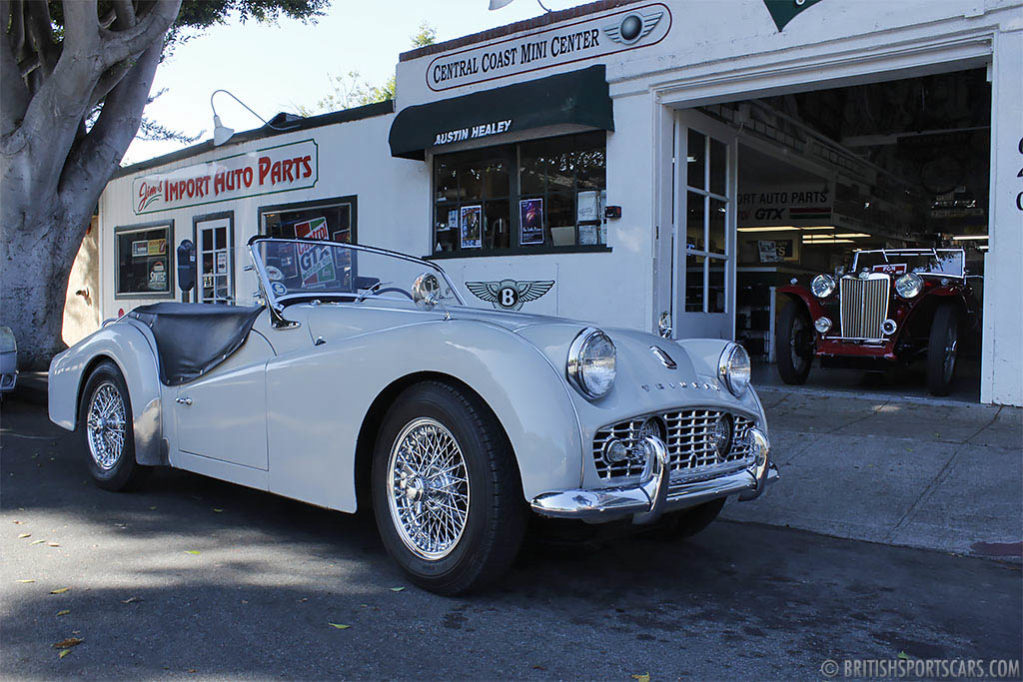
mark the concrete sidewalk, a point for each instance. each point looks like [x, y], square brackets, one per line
[913, 472]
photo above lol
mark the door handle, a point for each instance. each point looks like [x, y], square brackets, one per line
[183, 401]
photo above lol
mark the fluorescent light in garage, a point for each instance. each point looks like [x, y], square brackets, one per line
[968, 237]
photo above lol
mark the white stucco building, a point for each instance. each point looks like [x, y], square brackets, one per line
[678, 156]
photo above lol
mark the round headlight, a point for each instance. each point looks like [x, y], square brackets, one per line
[591, 363]
[822, 286]
[722, 435]
[909, 285]
[652, 427]
[734, 368]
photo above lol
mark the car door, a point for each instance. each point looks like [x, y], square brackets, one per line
[222, 416]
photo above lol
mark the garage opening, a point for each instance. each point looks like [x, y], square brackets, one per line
[844, 183]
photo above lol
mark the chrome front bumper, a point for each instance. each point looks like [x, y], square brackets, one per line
[647, 500]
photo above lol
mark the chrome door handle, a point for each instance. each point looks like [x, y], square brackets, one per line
[183, 401]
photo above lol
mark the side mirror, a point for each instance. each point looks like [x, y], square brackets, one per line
[426, 289]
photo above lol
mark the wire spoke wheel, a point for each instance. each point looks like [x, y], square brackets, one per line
[105, 424]
[428, 488]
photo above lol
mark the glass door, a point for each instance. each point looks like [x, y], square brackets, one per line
[214, 242]
[705, 193]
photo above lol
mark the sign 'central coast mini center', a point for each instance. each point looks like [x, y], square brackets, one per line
[538, 163]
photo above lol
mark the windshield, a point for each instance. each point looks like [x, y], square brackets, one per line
[304, 268]
[945, 262]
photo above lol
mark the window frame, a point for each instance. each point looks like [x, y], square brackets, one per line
[231, 248]
[514, 197]
[329, 202]
[120, 230]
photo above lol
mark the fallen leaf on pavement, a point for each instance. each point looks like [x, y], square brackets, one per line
[645, 677]
[60, 590]
[902, 654]
[27, 580]
[397, 589]
[16, 522]
[24, 535]
[68, 643]
[36, 542]
[64, 612]
[131, 600]
[217, 509]
[53, 544]
[63, 653]
[339, 626]
[192, 551]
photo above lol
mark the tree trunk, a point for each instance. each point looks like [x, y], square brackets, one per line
[36, 257]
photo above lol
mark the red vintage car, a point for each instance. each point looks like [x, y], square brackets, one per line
[891, 306]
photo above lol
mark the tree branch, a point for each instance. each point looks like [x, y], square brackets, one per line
[120, 45]
[40, 33]
[16, 11]
[97, 156]
[16, 95]
[81, 26]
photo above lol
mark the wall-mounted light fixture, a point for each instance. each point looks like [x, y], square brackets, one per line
[222, 133]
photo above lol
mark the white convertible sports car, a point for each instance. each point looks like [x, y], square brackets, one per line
[362, 378]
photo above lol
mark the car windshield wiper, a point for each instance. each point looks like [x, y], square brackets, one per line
[371, 290]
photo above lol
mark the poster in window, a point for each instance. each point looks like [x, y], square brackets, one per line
[471, 219]
[316, 264]
[775, 250]
[156, 247]
[157, 275]
[589, 234]
[316, 228]
[531, 218]
[221, 262]
[587, 206]
[453, 219]
[140, 249]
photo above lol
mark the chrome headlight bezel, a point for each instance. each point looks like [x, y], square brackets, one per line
[822, 285]
[909, 285]
[581, 368]
[734, 369]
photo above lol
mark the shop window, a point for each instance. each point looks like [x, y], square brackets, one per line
[144, 266]
[328, 219]
[521, 198]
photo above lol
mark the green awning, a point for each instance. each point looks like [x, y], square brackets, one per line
[579, 97]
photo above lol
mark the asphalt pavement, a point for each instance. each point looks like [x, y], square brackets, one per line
[194, 578]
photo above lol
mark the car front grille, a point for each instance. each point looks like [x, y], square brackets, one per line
[864, 306]
[689, 442]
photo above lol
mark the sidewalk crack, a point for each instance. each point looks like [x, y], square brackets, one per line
[938, 479]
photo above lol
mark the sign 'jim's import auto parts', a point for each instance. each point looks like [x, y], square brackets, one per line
[264, 171]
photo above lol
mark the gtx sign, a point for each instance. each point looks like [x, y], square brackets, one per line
[265, 171]
[588, 39]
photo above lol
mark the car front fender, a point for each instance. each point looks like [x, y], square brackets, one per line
[128, 347]
[319, 399]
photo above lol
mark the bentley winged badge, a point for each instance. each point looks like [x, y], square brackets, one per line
[508, 293]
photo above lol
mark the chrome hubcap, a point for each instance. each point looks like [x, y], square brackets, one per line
[105, 424]
[428, 487]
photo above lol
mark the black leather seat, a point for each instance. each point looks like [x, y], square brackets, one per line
[193, 338]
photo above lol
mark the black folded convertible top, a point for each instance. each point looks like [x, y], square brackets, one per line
[193, 338]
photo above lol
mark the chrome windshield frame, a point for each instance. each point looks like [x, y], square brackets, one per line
[885, 253]
[275, 303]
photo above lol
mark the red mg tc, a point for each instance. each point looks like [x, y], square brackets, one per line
[891, 306]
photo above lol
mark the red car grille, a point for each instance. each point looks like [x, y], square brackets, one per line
[864, 306]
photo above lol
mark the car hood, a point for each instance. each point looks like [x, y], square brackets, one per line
[644, 381]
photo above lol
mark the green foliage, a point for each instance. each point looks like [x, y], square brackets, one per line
[350, 90]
